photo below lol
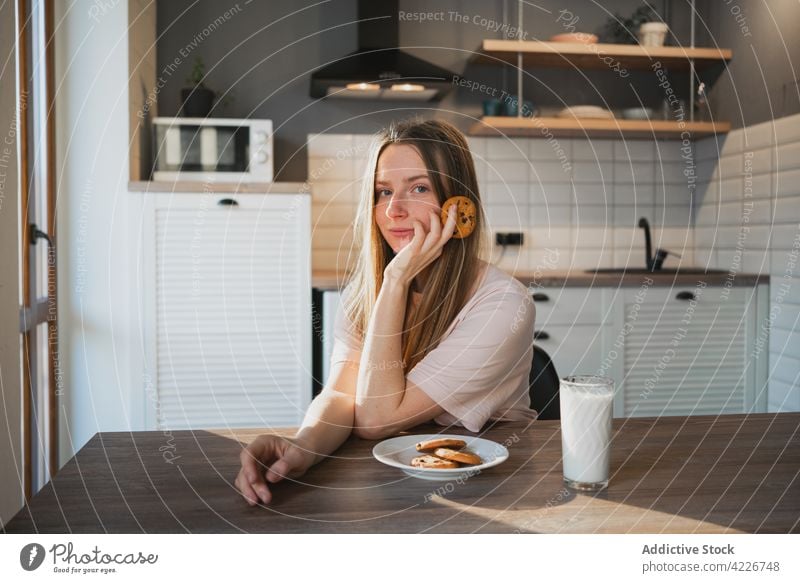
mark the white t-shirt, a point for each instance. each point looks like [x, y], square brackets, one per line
[480, 369]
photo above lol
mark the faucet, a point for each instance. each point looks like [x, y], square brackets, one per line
[653, 262]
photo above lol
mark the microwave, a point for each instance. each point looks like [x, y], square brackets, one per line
[212, 149]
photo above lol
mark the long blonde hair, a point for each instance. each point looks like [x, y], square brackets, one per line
[446, 155]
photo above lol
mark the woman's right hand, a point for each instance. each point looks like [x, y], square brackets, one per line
[424, 248]
[269, 459]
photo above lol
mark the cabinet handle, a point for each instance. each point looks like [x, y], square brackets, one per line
[684, 295]
[540, 335]
[227, 202]
[540, 297]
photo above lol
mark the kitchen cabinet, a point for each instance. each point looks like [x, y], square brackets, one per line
[671, 350]
[691, 350]
[573, 327]
[226, 309]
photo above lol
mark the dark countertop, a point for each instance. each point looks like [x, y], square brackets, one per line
[581, 278]
[332, 280]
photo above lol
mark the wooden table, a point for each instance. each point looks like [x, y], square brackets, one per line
[674, 474]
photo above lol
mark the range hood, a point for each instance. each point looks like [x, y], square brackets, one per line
[378, 70]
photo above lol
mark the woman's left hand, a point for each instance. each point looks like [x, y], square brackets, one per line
[423, 248]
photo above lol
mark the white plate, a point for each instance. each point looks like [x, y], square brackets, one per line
[399, 451]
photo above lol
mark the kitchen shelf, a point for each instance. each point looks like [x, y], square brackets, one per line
[582, 56]
[533, 54]
[600, 128]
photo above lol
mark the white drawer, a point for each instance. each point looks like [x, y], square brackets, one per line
[569, 306]
[573, 349]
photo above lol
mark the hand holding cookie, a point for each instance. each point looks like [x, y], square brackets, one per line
[423, 249]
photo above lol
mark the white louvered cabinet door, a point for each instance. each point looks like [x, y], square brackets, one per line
[231, 309]
[687, 356]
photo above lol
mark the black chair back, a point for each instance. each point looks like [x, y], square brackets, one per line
[544, 386]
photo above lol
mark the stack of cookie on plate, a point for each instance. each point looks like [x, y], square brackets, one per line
[444, 454]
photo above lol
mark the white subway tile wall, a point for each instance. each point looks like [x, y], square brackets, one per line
[730, 203]
[536, 187]
[747, 219]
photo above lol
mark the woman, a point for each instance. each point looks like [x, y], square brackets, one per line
[427, 330]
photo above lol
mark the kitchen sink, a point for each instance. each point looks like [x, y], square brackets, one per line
[668, 271]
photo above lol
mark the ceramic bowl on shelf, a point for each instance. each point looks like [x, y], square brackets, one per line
[586, 112]
[492, 107]
[584, 38]
[638, 113]
[528, 109]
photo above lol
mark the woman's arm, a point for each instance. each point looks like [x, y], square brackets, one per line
[327, 424]
[329, 419]
[384, 403]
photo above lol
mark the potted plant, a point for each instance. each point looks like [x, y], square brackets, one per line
[621, 30]
[197, 99]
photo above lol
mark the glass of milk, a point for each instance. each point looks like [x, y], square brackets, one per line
[586, 412]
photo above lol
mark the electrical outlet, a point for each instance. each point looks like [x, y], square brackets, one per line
[511, 239]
